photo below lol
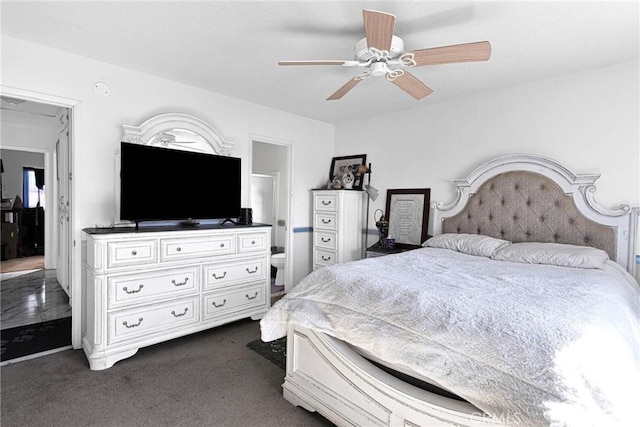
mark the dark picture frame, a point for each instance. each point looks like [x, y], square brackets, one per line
[340, 165]
[408, 215]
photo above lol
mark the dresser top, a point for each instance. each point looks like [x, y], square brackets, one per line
[161, 228]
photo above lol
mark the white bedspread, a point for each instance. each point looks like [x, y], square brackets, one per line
[527, 344]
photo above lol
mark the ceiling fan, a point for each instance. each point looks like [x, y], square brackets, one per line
[381, 53]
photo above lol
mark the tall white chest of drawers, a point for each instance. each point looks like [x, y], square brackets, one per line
[337, 226]
[145, 287]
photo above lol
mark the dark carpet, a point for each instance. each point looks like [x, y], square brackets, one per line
[274, 351]
[31, 339]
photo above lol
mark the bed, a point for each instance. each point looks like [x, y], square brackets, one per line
[521, 310]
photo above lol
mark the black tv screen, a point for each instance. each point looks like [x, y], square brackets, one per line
[164, 184]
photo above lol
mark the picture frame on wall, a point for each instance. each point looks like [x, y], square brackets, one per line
[408, 215]
[348, 164]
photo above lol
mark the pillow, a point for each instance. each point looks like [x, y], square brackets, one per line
[471, 244]
[553, 254]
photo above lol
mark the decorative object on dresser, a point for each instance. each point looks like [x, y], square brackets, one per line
[337, 226]
[346, 172]
[408, 215]
[161, 283]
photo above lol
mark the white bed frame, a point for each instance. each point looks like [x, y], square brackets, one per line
[326, 375]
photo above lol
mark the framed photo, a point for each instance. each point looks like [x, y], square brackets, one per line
[408, 215]
[342, 165]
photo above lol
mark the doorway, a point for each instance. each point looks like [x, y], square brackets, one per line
[270, 200]
[36, 153]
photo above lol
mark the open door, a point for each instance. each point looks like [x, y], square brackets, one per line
[63, 183]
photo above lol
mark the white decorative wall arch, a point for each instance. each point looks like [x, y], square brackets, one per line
[161, 130]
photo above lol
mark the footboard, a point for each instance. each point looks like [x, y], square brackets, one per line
[326, 375]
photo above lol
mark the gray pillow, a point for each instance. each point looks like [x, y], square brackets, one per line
[471, 244]
[553, 254]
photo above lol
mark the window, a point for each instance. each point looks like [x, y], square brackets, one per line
[32, 187]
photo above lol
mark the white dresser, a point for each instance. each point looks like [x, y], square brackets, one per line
[337, 226]
[148, 286]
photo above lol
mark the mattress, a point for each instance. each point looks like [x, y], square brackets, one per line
[527, 344]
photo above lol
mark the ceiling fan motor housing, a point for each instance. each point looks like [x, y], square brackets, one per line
[363, 53]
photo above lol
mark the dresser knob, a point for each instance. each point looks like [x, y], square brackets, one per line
[253, 242]
[222, 245]
[218, 306]
[178, 249]
[180, 314]
[133, 291]
[134, 253]
[133, 325]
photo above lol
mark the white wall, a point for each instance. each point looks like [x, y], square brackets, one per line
[136, 97]
[589, 121]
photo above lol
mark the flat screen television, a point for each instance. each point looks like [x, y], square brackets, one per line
[159, 184]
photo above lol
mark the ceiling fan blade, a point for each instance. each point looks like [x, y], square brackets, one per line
[467, 52]
[412, 85]
[318, 62]
[378, 29]
[344, 89]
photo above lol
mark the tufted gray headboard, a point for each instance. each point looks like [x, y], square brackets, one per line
[525, 206]
[529, 198]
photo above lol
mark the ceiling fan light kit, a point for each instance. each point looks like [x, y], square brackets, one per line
[382, 54]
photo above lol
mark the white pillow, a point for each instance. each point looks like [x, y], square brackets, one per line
[471, 244]
[553, 254]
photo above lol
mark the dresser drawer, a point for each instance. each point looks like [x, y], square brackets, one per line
[133, 323]
[325, 240]
[227, 273]
[326, 202]
[139, 288]
[220, 303]
[193, 247]
[324, 257]
[325, 221]
[138, 252]
[252, 242]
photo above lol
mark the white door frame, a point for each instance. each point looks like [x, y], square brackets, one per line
[289, 250]
[75, 238]
[275, 183]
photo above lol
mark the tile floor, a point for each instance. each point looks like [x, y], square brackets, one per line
[29, 297]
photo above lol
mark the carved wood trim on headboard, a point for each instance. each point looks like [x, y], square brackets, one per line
[533, 198]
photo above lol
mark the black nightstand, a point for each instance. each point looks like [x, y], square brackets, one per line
[376, 250]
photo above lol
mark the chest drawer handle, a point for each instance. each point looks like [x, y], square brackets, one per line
[222, 245]
[253, 297]
[326, 221]
[178, 249]
[326, 202]
[326, 258]
[133, 291]
[219, 277]
[218, 306]
[252, 271]
[325, 239]
[134, 324]
[253, 242]
[134, 253]
[180, 314]
[186, 279]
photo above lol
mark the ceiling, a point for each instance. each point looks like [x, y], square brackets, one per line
[233, 47]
